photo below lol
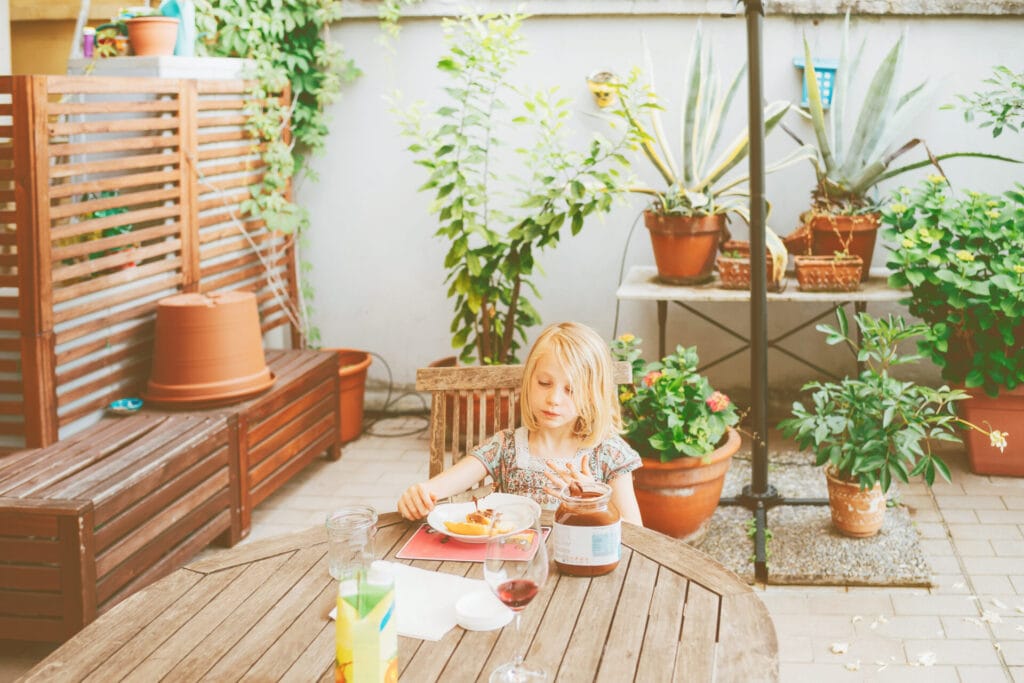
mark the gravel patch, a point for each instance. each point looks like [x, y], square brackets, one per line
[804, 548]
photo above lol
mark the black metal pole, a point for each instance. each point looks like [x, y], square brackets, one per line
[758, 266]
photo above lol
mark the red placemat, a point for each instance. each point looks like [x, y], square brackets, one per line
[427, 544]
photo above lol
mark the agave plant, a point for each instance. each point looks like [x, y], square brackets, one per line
[849, 164]
[703, 184]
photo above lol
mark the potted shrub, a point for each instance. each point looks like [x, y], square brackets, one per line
[963, 259]
[840, 272]
[873, 428]
[683, 430]
[854, 156]
[687, 219]
[493, 243]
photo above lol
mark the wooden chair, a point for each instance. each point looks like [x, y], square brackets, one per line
[469, 404]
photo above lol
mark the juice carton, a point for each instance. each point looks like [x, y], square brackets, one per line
[366, 638]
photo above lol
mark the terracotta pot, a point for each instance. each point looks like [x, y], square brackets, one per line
[1005, 413]
[799, 241]
[352, 367]
[489, 410]
[152, 35]
[854, 234]
[734, 271]
[684, 247]
[855, 513]
[207, 349]
[828, 273]
[678, 497]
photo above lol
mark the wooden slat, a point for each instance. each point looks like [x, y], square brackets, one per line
[695, 659]
[684, 560]
[123, 199]
[747, 644]
[657, 658]
[628, 628]
[61, 85]
[114, 183]
[79, 326]
[112, 107]
[121, 164]
[142, 142]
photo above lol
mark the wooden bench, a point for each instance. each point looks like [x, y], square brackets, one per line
[281, 430]
[89, 520]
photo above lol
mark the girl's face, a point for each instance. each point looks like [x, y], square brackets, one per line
[551, 396]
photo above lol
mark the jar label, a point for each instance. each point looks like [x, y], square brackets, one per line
[587, 546]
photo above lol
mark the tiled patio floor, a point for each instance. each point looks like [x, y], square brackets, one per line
[969, 627]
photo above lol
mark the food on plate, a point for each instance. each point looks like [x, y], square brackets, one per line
[477, 524]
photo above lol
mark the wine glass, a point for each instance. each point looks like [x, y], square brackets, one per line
[516, 567]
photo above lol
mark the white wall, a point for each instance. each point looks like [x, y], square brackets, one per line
[5, 37]
[377, 269]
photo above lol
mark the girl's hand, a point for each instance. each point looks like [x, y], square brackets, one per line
[561, 476]
[416, 502]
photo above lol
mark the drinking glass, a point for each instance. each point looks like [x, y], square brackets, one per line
[350, 533]
[516, 567]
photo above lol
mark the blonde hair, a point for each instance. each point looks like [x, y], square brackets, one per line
[587, 361]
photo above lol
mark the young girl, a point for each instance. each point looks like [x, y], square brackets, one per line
[570, 415]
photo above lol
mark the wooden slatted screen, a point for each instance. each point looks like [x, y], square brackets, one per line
[118, 192]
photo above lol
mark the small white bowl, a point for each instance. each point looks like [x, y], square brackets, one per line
[481, 611]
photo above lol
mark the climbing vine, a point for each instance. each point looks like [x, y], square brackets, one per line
[289, 44]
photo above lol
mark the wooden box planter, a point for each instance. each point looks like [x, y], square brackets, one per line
[828, 273]
[90, 520]
[82, 157]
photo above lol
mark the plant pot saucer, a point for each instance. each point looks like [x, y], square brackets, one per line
[213, 393]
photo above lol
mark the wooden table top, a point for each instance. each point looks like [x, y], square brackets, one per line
[259, 612]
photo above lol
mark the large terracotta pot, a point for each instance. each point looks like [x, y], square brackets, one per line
[855, 513]
[684, 246]
[855, 234]
[152, 35]
[352, 367]
[207, 349]
[1005, 413]
[678, 497]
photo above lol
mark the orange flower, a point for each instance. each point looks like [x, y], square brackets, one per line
[652, 377]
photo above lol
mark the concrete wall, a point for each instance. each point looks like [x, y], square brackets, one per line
[377, 269]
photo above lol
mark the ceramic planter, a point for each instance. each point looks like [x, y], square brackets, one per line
[828, 273]
[208, 349]
[152, 35]
[1005, 413]
[853, 234]
[684, 246]
[602, 85]
[352, 367]
[733, 266]
[678, 497]
[799, 241]
[855, 513]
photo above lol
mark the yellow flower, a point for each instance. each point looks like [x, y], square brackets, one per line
[627, 337]
[904, 190]
[909, 243]
[1019, 270]
[936, 179]
[924, 233]
[899, 208]
[965, 255]
[997, 439]
[992, 202]
[992, 213]
[625, 396]
[973, 193]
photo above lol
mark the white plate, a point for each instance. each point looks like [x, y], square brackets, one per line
[456, 512]
[481, 611]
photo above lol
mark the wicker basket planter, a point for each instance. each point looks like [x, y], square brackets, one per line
[828, 273]
[733, 266]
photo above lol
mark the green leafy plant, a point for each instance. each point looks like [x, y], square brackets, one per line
[671, 411]
[703, 183]
[496, 222]
[851, 161]
[1001, 107]
[875, 427]
[963, 260]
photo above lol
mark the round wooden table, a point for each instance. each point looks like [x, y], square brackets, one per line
[259, 612]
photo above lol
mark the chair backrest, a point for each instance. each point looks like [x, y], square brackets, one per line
[469, 404]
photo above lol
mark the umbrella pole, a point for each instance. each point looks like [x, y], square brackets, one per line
[759, 496]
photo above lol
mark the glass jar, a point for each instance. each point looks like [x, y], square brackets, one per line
[587, 531]
[350, 534]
